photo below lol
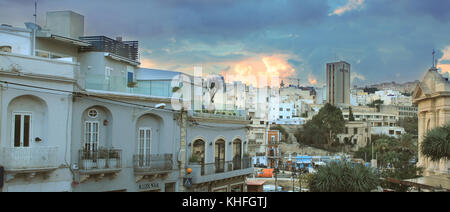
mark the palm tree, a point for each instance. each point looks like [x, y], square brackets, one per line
[436, 143]
[407, 144]
[343, 177]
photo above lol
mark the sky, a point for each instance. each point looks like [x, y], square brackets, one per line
[383, 40]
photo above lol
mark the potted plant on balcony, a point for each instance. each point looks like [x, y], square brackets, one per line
[113, 157]
[102, 155]
[132, 84]
[175, 89]
[194, 160]
[87, 159]
[195, 165]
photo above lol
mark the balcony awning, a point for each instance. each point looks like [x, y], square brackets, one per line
[122, 59]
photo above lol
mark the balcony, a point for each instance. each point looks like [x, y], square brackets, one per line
[99, 162]
[100, 82]
[239, 115]
[219, 170]
[29, 159]
[25, 65]
[152, 165]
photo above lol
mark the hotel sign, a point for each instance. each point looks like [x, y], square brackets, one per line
[148, 186]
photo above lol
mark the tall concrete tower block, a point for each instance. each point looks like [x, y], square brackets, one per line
[338, 83]
[65, 23]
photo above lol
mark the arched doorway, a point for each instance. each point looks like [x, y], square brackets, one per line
[148, 129]
[96, 151]
[237, 154]
[97, 125]
[198, 154]
[219, 154]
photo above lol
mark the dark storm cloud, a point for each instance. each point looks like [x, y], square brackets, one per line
[384, 40]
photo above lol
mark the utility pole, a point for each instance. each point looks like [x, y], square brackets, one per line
[34, 28]
[182, 148]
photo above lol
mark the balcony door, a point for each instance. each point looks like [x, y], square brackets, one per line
[237, 154]
[220, 156]
[144, 139]
[21, 129]
[91, 137]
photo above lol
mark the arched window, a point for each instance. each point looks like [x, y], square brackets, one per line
[97, 122]
[28, 116]
[219, 154]
[198, 150]
[237, 154]
[148, 130]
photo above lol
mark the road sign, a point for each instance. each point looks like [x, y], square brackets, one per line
[187, 181]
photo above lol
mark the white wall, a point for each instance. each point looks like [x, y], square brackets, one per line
[19, 40]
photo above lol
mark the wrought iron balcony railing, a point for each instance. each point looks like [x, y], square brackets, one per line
[222, 166]
[102, 159]
[153, 163]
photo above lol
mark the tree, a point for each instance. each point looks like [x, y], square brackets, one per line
[410, 124]
[350, 114]
[396, 151]
[311, 134]
[305, 179]
[331, 120]
[323, 127]
[370, 90]
[343, 177]
[376, 104]
[436, 143]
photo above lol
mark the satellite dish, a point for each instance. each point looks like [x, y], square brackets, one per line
[32, 26]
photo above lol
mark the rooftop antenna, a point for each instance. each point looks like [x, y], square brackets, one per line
[35, 12]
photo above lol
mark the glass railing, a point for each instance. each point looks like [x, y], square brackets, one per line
[120, 84]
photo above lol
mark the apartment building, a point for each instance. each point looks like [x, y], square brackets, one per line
[84, 117]
[357, 134]
[380, 123]
[400, 110]
[338, 83]
[217, 151]
[272, 150]
[35, 110]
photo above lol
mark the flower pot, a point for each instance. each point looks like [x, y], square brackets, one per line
[101, 163]
[112, 163]
[88, 164]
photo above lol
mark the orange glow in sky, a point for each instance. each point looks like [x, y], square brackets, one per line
[261, 71]
[312, 80]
